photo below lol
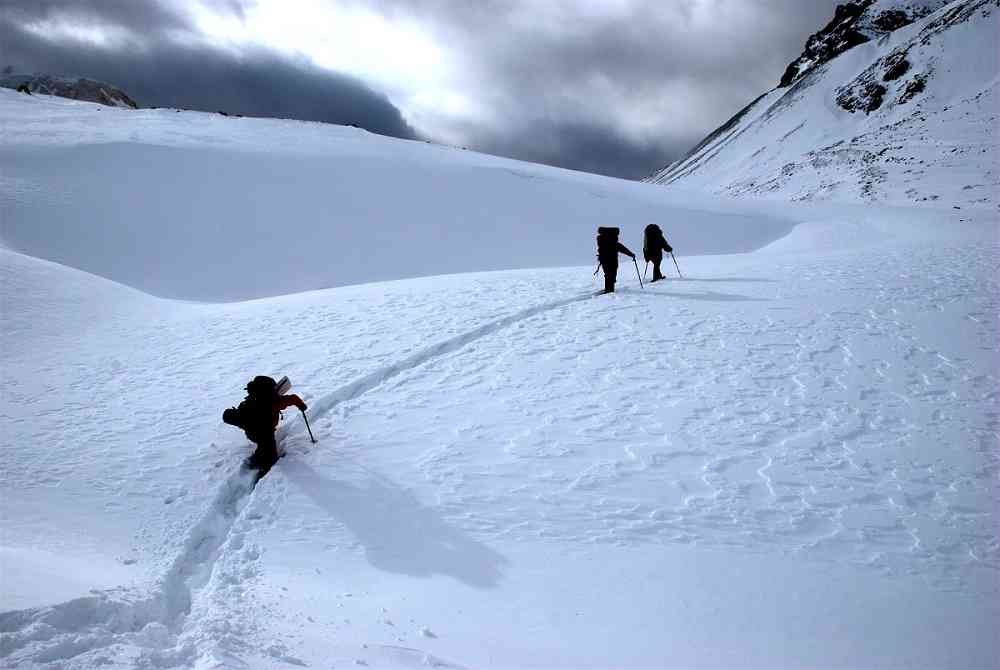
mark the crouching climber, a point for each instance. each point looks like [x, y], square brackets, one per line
[258, 417]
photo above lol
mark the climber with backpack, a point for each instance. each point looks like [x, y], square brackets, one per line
[608, 248]
[653, 246]
[258, 417]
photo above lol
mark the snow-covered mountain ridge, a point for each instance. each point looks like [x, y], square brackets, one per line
[74, 88]
[909, 116]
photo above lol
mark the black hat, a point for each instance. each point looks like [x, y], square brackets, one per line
[262, 386]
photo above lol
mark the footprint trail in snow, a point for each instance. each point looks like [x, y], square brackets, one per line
[179, 625]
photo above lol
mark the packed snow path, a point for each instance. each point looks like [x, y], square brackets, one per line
[356, 388]
[839, 408]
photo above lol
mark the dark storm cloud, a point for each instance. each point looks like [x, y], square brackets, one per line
[136, 15]
[652, 78]
[619, 87]
[159, 72]
[590, 147]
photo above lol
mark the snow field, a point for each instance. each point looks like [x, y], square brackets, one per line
[756, 415]
[810, 416]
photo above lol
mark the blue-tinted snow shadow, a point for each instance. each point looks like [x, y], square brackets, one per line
[723, 280]
[399, 534]
[714, 296]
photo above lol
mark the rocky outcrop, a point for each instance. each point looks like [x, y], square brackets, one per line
[855, 23]
[837, 37]
[909, 117]
[79, 88]
[868, 90]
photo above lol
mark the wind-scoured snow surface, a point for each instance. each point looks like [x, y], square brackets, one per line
[908, 118]
[788, 458]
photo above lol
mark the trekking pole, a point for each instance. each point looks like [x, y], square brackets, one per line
[306, 419]
[676, 266]
[597, 269]
[645, 270]
[636, 263]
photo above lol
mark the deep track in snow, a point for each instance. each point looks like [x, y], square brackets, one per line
[359, 387]
[160, 625]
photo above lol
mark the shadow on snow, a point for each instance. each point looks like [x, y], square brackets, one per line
[399, 534]
[714, 296]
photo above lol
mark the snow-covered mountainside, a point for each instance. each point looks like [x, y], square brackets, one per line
[883, 105]
[787, 458]
[74, 88]
[855, 23]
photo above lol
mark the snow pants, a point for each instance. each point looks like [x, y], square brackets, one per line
[610, 269]
[656, 260]
[265, 456]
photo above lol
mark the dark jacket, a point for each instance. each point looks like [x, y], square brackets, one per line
[654, 244]
[609, 256]
[608, 246]
[258, 417]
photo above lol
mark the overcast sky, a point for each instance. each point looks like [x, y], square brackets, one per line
[619, 87]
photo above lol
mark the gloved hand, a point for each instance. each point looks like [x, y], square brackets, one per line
[302, 405]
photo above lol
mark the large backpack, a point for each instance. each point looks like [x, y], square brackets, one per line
[652, 243]
[255, 415]
[607, 241]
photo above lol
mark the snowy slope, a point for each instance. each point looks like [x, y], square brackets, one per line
[788, 458]
[205, 207]
[513, 473]
[910, 117]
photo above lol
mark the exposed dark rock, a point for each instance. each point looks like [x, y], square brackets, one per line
[853, 23]
[896, 66]
[834, 39]
[913, 88]
[68, 87]
[867, 98]
[892, 19]
[874, 94]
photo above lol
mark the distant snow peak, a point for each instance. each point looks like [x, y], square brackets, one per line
[908, 117]
[74, 88]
